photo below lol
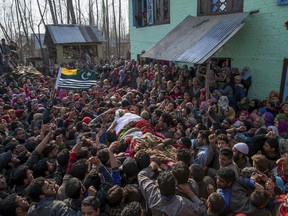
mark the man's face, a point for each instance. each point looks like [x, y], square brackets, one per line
[54, 153]
[49, 189]
[235, 154]
[178, 134]
[22, 203]
[170, 107]
[221, 183]
[224, 160]
[3, 184]
[199, 139]
[161, 95]
[161, 122]
[222, 144]
[267, 148]
[20, 135]
[89, 211]
[154, 116]
[29, 175]
[195, 129]
[14, 159]
[225, 124]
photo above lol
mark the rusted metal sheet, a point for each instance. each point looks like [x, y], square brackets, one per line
[67, 34]
[196, 39]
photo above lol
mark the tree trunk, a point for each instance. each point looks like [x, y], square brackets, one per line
[22, 23]
[115, 28]
[91, 14]
[60, 11]
[39, 24]
[108, 29]
[14, 23]
[70, 11]
[55, 11]
[79, 12]
[52, 12]
[40, 11]
[97, 15]
[119, 28]
[8, 26]
[6, 35]
[104, 23]
[19, 33]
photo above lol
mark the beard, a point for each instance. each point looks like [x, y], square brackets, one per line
[25, 206]
[236, 158]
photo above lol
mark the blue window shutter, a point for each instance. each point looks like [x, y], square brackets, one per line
[135, 12]
[282, 2]
[150, 12]
[143, 11]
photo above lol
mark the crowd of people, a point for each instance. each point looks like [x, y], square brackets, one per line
[147, 139]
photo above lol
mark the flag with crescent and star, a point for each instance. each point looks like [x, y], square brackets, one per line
[76, 79]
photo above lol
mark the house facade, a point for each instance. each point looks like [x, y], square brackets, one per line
[39, 54]
[68, 43]
[261, 43]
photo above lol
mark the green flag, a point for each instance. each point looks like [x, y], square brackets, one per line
[76, 79]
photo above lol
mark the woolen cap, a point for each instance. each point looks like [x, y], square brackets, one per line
[242, 147]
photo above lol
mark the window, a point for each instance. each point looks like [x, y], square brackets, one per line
[214, 7]
[282, 2]
[150, 12]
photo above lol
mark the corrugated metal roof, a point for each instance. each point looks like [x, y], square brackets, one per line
[36, 42]
[196, 39]
[66, 34]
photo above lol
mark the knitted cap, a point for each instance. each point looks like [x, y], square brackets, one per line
[242, 147]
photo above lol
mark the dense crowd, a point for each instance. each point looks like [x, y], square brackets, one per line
[147, 139]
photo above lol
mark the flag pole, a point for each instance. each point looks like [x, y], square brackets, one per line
[58, 77]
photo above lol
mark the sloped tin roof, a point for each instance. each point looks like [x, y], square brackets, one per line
[36, 42]
[67, 34]
[196, 39]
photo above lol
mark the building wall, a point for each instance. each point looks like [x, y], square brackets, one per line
[59, 58]
[261, 44]
[144, 38]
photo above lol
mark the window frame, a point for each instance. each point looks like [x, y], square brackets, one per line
[282, 2]
[207, 7]
[142, 5]
[162, 11]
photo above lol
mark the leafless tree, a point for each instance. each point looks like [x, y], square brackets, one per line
[18, 20]
[37, 36]
[22, 19]
[97, 13]
[52, 11]
[107, 29]
[79, 13]
[115, 27]
[91, 13]
[60, 11]
[119, 27]
[103, 18]
[70, 12]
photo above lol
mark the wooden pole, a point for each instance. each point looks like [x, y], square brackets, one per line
[207, 79]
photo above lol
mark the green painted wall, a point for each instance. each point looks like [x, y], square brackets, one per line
[144, 38]
[262, 44]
